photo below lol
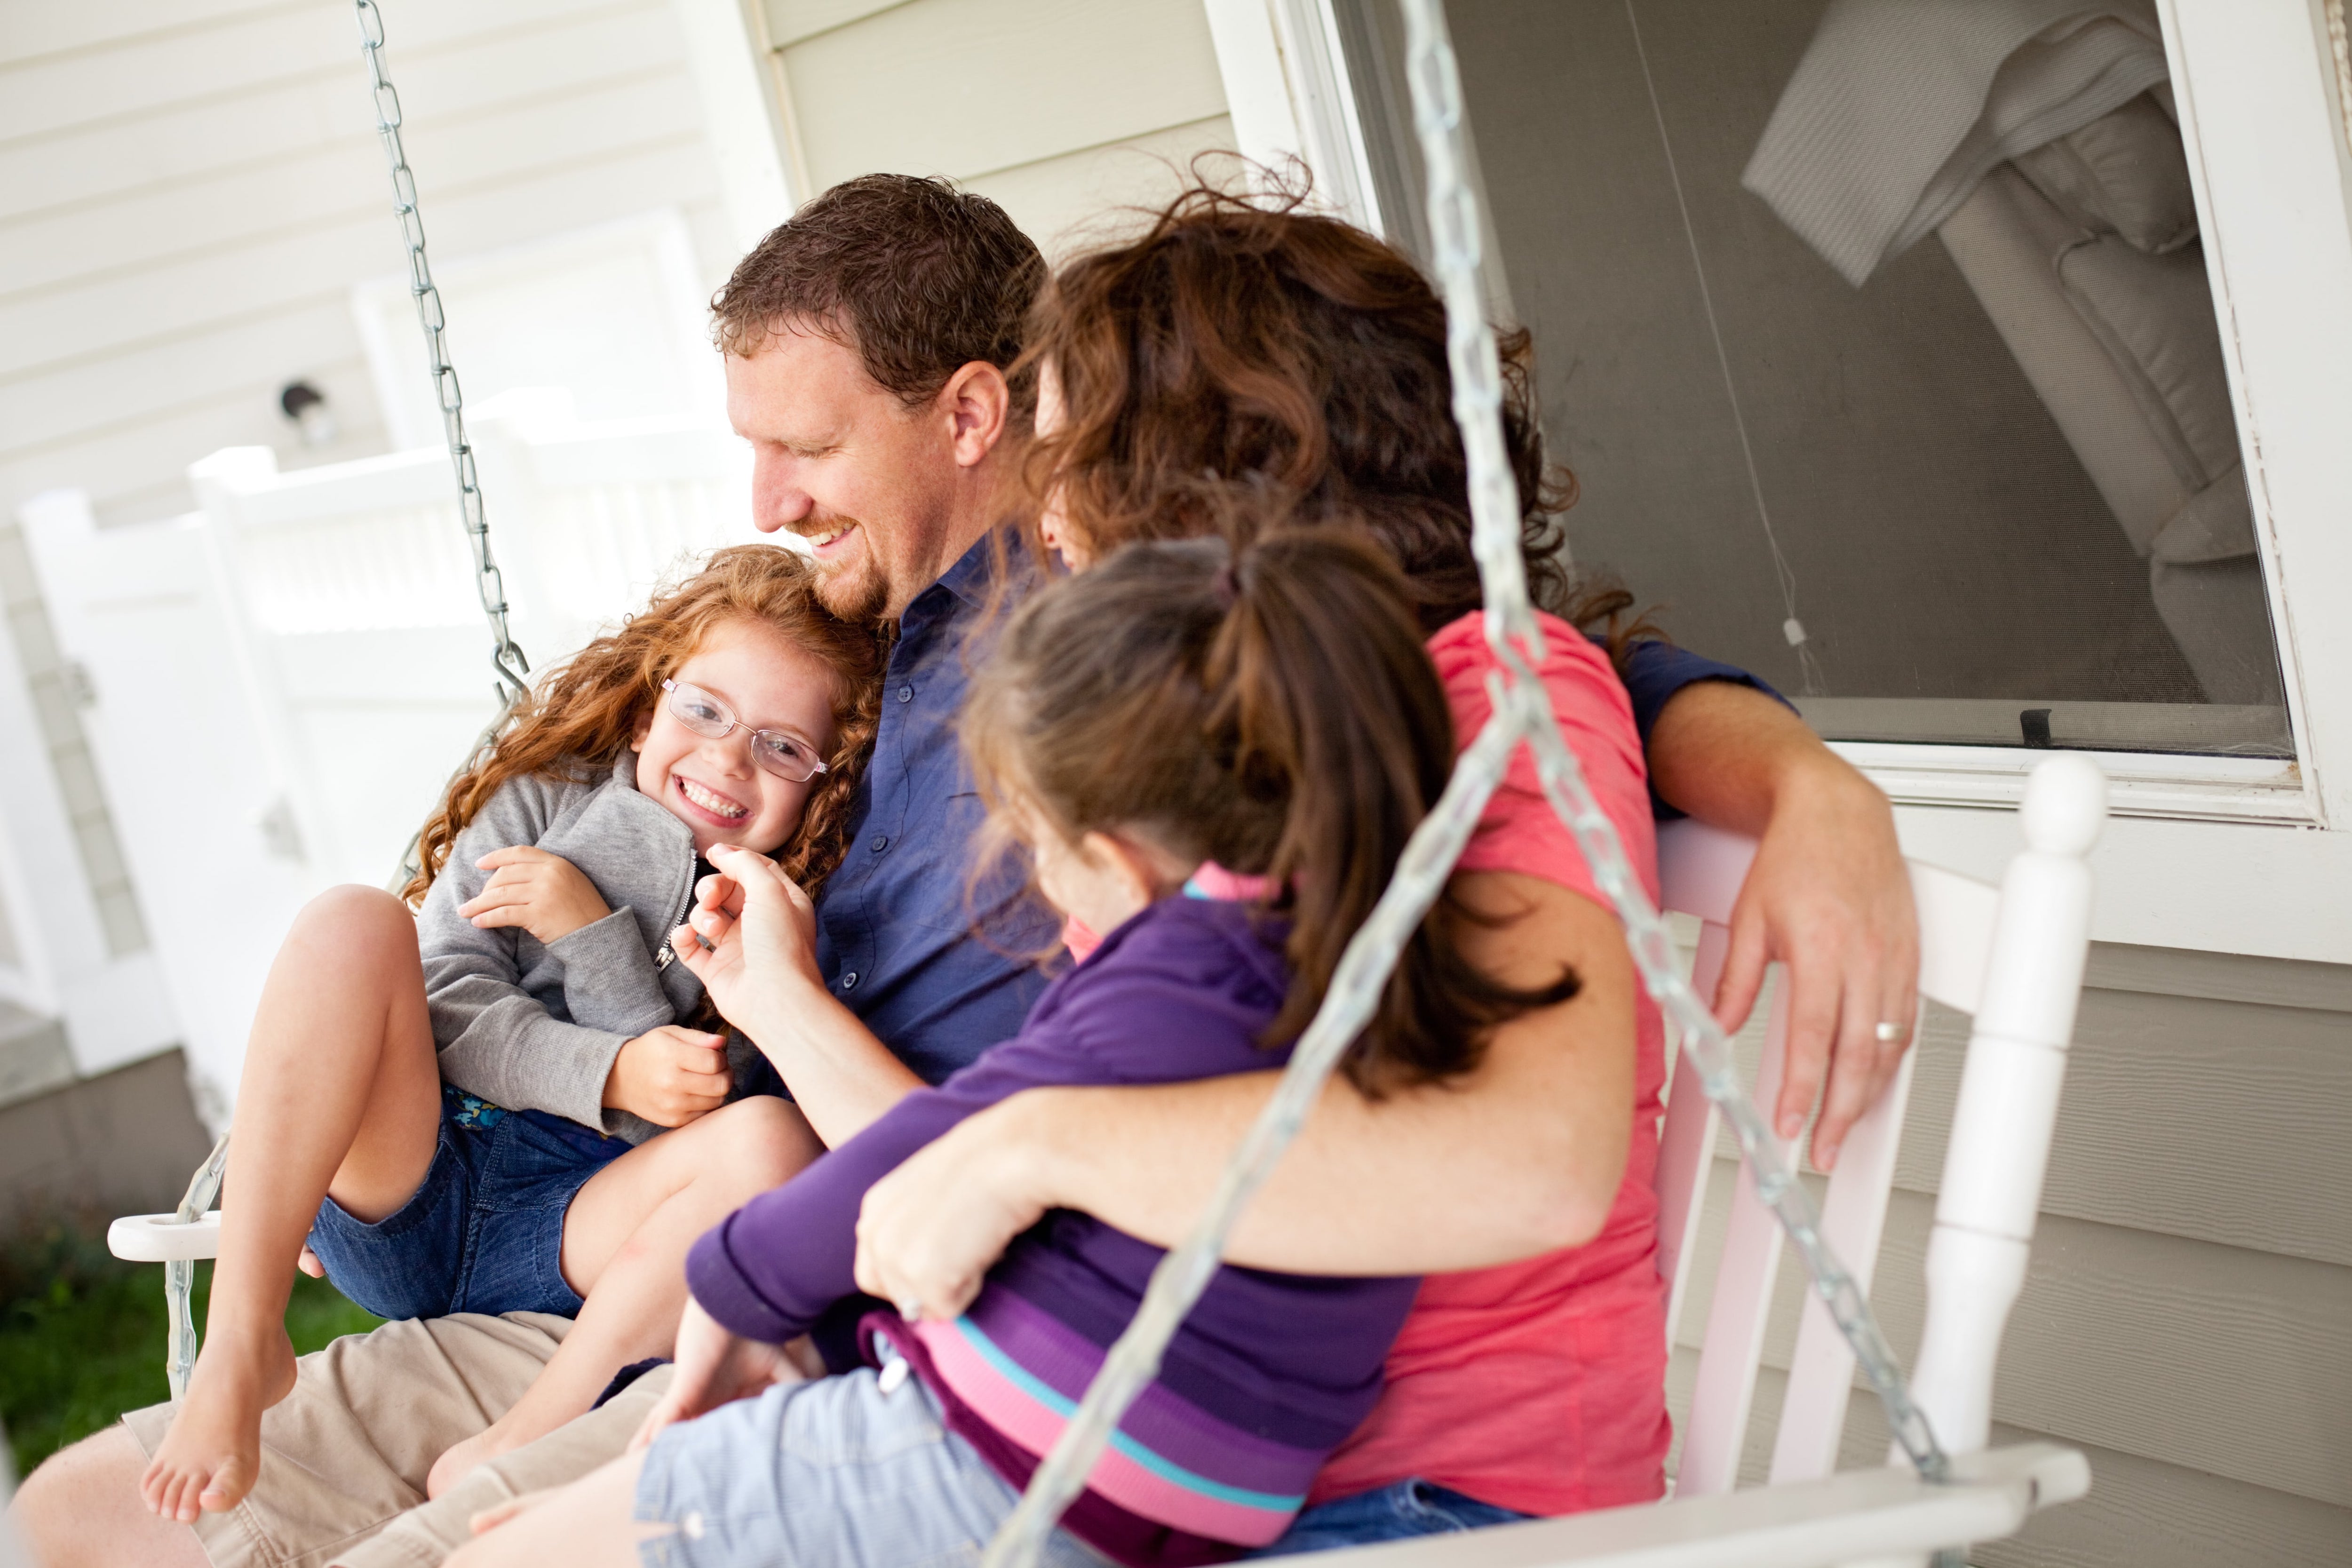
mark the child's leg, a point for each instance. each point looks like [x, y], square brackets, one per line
[816, 1475]
[340, 1095]
[624, 1242]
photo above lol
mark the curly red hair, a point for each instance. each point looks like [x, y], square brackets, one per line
[584, 713]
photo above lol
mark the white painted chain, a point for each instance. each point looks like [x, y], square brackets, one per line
[180, 1273]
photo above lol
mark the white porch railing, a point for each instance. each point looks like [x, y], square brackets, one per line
[283, 681]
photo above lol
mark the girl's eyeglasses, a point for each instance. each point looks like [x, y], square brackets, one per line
[787, 756]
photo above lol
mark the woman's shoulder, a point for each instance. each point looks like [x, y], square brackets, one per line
[1575, 669]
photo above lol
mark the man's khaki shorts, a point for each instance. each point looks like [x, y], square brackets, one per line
[344, 1457]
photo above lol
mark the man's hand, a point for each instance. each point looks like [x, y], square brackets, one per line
[750, 937]
[714, 1367]
[1829, 897]
[930, 1230]
[669, 1076]
[545, 894]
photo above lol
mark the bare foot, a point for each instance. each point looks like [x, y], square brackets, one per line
[211, 1455]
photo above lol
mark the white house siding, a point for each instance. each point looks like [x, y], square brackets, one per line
[2188, 1318]
[1058, 108]
[188, 192]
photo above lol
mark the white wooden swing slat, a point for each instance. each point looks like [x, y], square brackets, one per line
[1849, 1518]
[1702, 869]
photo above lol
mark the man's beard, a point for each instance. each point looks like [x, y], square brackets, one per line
[858, 595]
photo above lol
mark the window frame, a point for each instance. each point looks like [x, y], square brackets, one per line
[2269, 143]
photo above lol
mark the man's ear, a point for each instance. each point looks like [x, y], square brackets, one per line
[976, 402]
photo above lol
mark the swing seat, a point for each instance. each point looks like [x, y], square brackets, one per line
[2012, 957]
[164, 1238]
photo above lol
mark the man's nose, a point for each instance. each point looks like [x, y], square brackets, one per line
[778, 498]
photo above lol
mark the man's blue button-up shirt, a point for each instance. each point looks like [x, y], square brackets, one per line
[941, 966]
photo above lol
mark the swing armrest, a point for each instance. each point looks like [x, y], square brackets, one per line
[164, 1238]
[1846, 1518]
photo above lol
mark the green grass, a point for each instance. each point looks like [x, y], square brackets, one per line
[83, 1335]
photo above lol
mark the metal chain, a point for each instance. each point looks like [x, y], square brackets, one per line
[507, 660]
[180, 1274]
[1522, 709]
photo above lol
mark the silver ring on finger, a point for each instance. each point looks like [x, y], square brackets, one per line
[1890, 1033]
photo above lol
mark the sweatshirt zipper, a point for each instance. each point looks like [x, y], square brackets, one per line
[669, 954]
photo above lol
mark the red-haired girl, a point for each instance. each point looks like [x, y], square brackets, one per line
[454, 1112]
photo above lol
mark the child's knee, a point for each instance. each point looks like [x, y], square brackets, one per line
[357, 919]
[761, 1141]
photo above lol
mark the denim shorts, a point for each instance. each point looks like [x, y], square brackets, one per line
[829, 1474]
[483, 1231]
[1401, 1511]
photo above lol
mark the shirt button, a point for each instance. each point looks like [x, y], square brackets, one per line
[849, 981]
[906, 694]
[881, 842]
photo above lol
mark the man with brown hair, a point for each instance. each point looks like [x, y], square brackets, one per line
[868, 346]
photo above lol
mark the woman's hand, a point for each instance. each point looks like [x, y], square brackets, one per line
[669, 1076]
[714, 1367]
[930, 1231]
[1830, 896]
[545, 894]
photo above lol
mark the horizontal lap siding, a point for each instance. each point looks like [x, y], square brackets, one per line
[1058, 108]
[188, 193]
[2188, 1316]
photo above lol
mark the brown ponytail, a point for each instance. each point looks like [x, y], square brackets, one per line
[1273, 711]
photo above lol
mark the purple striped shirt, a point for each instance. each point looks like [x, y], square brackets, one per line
[1268, 1374]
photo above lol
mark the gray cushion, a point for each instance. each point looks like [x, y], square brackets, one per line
[2124, 174]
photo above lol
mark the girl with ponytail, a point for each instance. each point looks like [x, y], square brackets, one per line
[1272, 711]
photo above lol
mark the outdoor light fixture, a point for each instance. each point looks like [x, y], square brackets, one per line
[307, 406]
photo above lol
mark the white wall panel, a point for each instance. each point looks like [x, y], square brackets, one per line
[970, 86]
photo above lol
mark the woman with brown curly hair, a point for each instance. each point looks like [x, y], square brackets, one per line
[456, 1113]
[1242, 365]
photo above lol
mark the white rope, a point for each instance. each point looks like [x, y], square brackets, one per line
[1522, 710]
[1792, 628]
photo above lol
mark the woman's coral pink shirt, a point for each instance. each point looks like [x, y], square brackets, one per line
[1541, 1385]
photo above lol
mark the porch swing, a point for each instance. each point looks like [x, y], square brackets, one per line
[2012, 957]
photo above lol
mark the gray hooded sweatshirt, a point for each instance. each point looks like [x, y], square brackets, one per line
[535, 1026]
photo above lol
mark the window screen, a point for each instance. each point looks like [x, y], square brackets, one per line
[1880, 342]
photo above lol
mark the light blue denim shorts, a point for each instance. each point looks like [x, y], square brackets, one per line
[829, 1474]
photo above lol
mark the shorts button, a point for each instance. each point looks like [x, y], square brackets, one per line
[849, 981]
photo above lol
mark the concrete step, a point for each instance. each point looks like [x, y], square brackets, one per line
[33, 1056]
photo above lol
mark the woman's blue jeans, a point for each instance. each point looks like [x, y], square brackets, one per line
[1396, 1512]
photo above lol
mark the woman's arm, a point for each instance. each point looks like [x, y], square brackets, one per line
[1828, 894]
[1521, 1156]
[760, 967]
